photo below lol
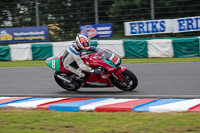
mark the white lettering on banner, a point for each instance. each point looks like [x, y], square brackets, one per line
[29, 33]
[104, 32]
[147, 27]
[103, 28]
[187, 24]
[104, 35]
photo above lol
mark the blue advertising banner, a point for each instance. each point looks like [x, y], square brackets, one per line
[24, 34]
[97, 30]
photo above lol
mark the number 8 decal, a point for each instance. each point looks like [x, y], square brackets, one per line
[53, 64]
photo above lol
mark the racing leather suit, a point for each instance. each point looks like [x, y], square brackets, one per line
[72, 60]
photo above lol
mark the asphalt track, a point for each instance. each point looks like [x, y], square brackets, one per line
[159, 80]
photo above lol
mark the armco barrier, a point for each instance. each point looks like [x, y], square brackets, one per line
[126, 48]
[103, 104]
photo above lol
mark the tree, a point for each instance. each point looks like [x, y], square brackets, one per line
[17, 13]
[67, 15]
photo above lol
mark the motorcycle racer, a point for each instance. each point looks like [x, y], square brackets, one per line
[72, 56]
[104, 62]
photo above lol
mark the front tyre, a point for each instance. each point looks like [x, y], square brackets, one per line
[129, 83]
[70, 87]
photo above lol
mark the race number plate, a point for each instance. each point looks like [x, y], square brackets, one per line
[114, 59]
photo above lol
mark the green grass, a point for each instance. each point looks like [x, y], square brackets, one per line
[160, 60]
[22, 63]
[124, 61]
[43, 121]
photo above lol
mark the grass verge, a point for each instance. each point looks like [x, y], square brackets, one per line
[22, 63]
[124, 61]
[13, 120]
[160, 60]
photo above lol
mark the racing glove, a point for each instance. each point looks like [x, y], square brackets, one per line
[96, 70]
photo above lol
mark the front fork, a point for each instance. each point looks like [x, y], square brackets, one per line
[118, 72]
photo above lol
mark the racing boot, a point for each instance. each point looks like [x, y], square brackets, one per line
[79, 79]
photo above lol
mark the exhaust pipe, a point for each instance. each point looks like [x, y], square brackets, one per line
[62, 78]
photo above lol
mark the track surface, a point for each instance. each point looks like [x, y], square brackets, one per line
[164, 80]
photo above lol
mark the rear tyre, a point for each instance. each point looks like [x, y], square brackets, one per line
[129, 83]
[74, 86]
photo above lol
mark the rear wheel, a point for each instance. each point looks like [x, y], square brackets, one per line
[75, 85]
[129, 83]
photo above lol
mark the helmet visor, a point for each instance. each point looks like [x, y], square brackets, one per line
[86, 44]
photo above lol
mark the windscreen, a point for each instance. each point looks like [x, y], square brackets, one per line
[105, 54]
[110, 56]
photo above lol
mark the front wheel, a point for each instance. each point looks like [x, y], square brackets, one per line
[70, 87]
[129, 83]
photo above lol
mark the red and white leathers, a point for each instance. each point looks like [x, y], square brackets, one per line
[72, 57]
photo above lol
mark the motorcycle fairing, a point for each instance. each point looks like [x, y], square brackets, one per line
[92, 80]
[55, 63]
[97, 80]
[118, 73]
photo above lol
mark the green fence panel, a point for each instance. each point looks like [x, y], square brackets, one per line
[41, 51]
[5, 53]
[93, 43]
[135, 49]
[186, 47]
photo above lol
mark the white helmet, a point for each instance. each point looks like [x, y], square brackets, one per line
[82, 42]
